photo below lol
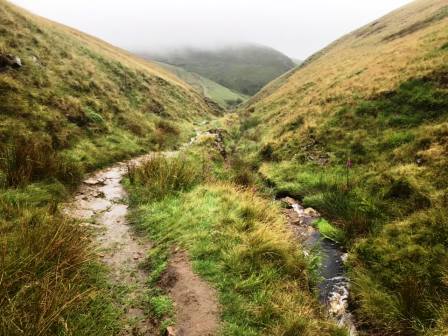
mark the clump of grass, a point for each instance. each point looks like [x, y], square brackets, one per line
[329, 231]
[49, 285]
[161, 305]
[160, 176]
[40, 269]
[31, 158]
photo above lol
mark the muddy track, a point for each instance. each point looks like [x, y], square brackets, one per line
[101, 204]
[195, 301]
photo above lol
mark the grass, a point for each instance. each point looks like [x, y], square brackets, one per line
[161, 176]
[49, 284]
[75, 105]
[380, 105]
[236, 240]
[329, 231]
[224, 97]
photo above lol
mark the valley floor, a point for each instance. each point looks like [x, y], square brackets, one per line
[207, 256]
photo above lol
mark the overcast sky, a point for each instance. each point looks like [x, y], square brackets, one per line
[295, 27]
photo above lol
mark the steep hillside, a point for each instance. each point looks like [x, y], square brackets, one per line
[360, 132]
[74, 93]
[242, 68]
[69, 103]
[223, 96]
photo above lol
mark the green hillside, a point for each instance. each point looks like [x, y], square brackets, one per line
[69, 103]
[219, 224]
[243, 68]
[225, 97]
[360, 132]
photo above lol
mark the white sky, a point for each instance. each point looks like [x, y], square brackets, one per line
[295, 27]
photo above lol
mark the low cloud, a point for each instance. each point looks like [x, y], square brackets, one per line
[297, 28]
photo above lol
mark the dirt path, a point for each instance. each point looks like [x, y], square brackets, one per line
[100, 203]
[195, 301]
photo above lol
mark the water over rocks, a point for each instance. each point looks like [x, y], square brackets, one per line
[334, 286]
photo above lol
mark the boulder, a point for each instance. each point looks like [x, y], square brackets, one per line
[16, 62]
[7, 60]
[290, 201]
[311, 212]
[170, 331]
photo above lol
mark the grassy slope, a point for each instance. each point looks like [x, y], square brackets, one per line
[244, 68]
[379, 98]
[225, 97]
[79, 93]
[76, 104]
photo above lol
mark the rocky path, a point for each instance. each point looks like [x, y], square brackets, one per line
[101, 204]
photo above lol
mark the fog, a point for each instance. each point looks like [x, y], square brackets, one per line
[297, 28]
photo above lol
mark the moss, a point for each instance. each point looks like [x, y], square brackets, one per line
[329, 231]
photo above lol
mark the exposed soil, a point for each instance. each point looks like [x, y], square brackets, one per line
[100, 204]
[197, 312]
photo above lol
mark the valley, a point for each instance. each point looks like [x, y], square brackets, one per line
[172, 197]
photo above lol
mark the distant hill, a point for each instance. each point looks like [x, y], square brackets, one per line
[244, 68]
[224, 97]
[297, 61]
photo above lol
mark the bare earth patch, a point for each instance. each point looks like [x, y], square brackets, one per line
[197, 312]
[100, 203]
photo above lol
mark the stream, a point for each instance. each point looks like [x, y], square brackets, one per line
[334, 285]
[100, 203]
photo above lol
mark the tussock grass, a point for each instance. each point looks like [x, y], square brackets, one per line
[160, 176]
[76, 104]
[236, 240]
[46, 286]
[381, 103]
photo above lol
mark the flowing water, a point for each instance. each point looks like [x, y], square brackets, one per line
[334, 286]
[101, 204]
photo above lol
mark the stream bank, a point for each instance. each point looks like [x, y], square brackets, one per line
[334, 286]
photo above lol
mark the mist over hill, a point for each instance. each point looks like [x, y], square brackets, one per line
[245, 68]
